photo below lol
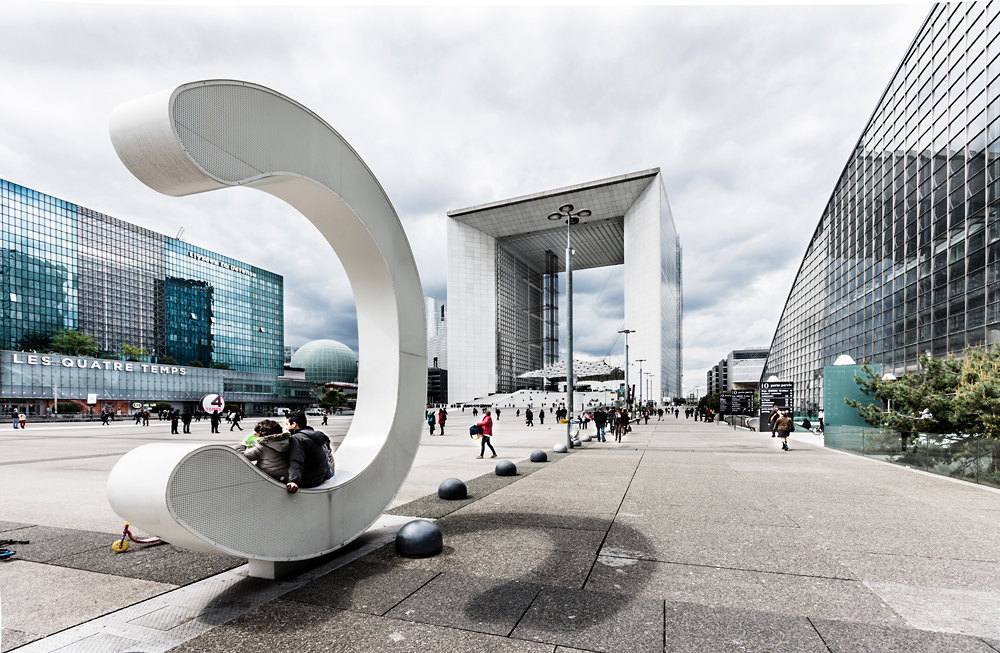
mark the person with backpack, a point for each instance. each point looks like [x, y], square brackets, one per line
[783, 424]
[773, 419]
[442, 418]
[310, 456]
[430, 420]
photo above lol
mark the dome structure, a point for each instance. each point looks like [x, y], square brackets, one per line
[327, 361]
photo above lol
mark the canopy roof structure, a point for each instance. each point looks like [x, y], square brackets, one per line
[583, 370]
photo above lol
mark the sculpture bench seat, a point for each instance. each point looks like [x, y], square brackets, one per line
[215, 134]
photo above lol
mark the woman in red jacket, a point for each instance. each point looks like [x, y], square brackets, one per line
[487, 425]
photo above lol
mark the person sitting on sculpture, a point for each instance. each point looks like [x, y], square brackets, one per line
[310, 457]
[268, 446]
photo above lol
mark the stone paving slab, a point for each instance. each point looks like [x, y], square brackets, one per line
[483, 605]
[57, 589]
[48, 543]
[735, 546]
[765, 592]
[363, 587]
[594, 622]
[161, 563]
[848, 637]
[283, 626]
[698, 628]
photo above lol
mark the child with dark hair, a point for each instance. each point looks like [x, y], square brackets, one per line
[268, 447]
[310, 455]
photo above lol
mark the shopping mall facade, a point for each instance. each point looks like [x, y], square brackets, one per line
[63, 266]
[906, 256]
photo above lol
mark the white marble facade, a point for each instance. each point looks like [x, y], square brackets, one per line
[649, 249]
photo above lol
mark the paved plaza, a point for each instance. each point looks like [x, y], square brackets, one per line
[686, 537]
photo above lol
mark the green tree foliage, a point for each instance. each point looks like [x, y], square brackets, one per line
[160, 406]
[977, 396]
[74, 343]
[195, 363]
[67, 407]
[332, 398]
[927, 401]
[133, 353]
[35, 341]
[220, 366]
[711, 401]
[167, 360]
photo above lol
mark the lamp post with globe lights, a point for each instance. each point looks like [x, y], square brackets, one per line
[566, 213]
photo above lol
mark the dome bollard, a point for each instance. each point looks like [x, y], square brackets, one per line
[506, 468]
[559, 447]
[539, 456]
[452, 488]
[419, 538]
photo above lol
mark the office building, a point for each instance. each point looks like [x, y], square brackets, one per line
[195, 312]
[436, 314]
[905, 257]
[504, 259]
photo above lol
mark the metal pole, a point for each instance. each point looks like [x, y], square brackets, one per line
[626, 332]
[569, 331]
[640, 361]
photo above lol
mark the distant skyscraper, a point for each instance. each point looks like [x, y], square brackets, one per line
[437, 333]
[289, 352]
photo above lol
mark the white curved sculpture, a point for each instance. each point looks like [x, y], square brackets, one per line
[217, 134]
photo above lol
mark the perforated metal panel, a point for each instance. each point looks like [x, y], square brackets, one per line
[212, 122]
[212, 492]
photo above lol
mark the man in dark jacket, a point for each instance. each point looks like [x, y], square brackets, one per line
[308, 462]
[600, 421]
[215, 418]
[186, 419]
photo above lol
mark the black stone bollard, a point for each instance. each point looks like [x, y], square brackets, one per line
[452, 488]
[539, 456]
[419, 539]
[506, 468]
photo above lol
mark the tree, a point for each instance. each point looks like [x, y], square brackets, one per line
[67, 407]
[35, 341]
[133, 353]
[195, 363]
[74, 343]
[924, 402]
[977, 396]
[333, 398]
[160, 406]
[220, 366]
[167, 360]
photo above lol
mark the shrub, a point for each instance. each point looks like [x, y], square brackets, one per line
[67, 407]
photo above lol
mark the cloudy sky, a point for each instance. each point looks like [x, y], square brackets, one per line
[750, 113]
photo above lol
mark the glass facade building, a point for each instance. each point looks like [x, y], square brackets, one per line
[63, 266]
[906, 256]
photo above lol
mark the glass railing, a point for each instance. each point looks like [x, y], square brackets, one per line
[968, 457]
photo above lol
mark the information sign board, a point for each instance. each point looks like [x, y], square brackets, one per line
[775, 393]
[742, 400]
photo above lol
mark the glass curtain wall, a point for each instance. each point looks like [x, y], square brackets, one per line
[906, 256]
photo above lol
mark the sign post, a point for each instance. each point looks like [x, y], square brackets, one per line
[775, 393]
[212, 403]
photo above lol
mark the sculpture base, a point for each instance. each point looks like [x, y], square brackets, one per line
[272, 570]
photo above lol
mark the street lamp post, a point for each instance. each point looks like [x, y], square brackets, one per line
[640, 361]
[565, 212]
[626, 332]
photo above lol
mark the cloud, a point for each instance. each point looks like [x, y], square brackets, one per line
[750, 112]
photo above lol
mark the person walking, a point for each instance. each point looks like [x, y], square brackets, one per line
[236, 417]
[487, 425]
[15, 420]
[215, 419]
[145, 417]
[541, 417]
[783, 424]
[138, 417]
[498, 413]
[442, 418]
[326, 416]
[105, 416]
[430, 420]
[772, 420]
[475, 411]
[175, 416]
[186, 419]
[529, 417]
[600, 421]
[23, 419]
